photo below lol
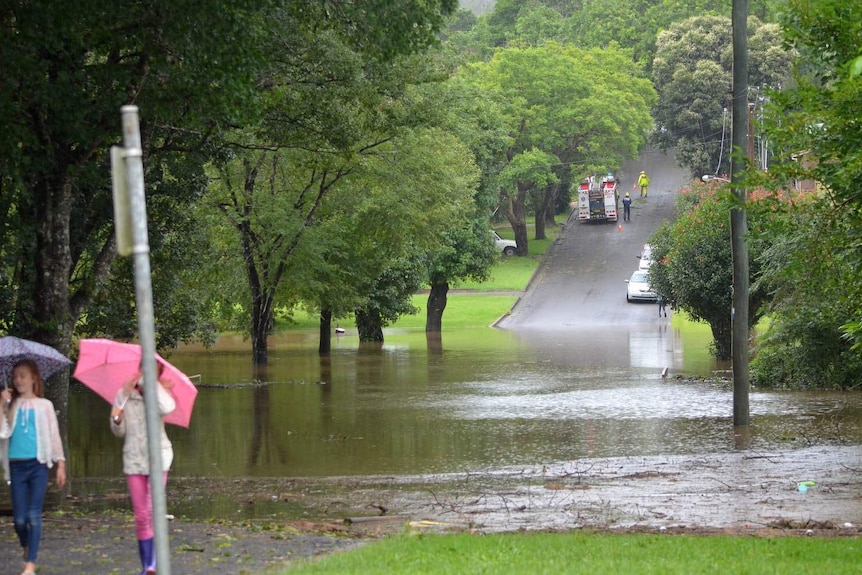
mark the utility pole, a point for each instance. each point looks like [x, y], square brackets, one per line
[738, 217]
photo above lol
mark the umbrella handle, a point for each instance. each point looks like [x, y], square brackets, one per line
[116, 418]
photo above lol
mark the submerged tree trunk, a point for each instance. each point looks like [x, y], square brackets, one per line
[370, 325]
[261, 322]
[324, 347]
[435, 307]
[434, 340]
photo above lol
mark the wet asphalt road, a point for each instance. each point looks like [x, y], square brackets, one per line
[582, 281]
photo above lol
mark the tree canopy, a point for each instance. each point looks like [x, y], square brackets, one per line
[692, 264]
[815, 335]
[563, 109]
[197, 72]
[692, 73]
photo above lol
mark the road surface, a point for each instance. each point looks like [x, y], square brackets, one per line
[581, 283]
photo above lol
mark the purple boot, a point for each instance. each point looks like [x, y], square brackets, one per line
[148, 556]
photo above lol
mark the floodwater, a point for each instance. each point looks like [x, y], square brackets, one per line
[489, 399]
[567, 393]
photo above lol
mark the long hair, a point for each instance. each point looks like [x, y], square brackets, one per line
[38, 386]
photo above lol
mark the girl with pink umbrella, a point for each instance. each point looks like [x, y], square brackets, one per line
[128, 421]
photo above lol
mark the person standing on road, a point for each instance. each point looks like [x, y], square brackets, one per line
[662, 302]
[643, 184]
[30, 445]
[128, 421]
[627, 208]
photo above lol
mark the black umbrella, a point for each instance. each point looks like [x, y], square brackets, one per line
[14, 349]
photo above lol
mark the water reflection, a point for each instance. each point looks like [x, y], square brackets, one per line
[477, 400]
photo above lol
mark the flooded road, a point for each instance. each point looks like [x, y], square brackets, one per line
[496, 402]
[578, 411]
[496, 433]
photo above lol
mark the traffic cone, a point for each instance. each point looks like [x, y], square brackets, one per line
[620, 228]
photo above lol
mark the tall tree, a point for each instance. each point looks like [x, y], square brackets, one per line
[692, 74]
[587, 108]
[65, 75]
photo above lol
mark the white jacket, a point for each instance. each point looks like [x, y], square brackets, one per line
[49, 446]
[136, 458]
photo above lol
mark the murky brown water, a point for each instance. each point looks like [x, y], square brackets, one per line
[489, 399]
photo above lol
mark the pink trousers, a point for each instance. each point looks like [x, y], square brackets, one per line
[142, 503]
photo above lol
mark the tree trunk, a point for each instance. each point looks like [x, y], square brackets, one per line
[553, 194]
[721, 338]
[435, 343]
[370, 325]
[52, 320]
[325, 345]
[326, 374]
[435, 307]
[539, 216]
[516, 213]
[261, 322]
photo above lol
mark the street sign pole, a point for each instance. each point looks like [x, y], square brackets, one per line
[135, 203]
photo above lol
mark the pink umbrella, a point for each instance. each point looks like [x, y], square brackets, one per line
[105, 365]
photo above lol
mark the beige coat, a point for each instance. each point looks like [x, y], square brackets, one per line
[133, 427]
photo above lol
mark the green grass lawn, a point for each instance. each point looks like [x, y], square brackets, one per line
[509, 274]
[575, 553]
[462, 311]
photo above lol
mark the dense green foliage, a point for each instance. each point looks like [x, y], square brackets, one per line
[692, 71]
[816, 317]
[565, 111]
[586, 23]
[65, 75]
[693, 267]
[817, 290]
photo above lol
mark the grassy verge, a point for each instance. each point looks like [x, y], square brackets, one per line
[509, 274]
[462, 311]
[573, 553]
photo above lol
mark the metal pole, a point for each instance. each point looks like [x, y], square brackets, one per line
[144, 300]
[738, 217]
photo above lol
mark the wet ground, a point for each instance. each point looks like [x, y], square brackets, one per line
[263, 522]
[740, 493]
[733, 491]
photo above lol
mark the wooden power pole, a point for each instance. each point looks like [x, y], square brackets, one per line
[738, 218]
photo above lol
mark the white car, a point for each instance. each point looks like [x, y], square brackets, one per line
[506, 247]
[638, 288]
[645, 257]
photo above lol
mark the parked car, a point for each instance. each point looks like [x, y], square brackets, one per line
[638, 288]
[646, 257]
[506, 247]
